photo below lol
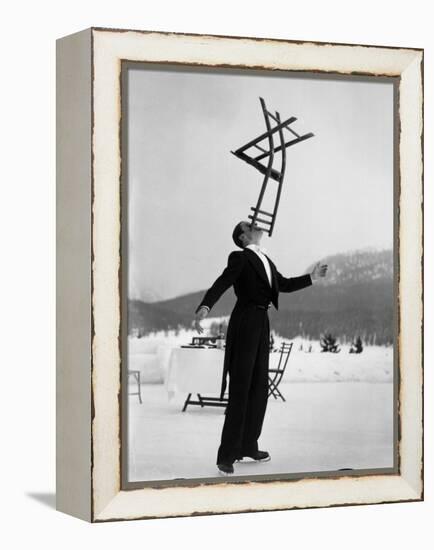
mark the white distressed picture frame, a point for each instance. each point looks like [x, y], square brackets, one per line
[89, 270]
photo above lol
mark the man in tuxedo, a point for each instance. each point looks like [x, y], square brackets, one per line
[257, 284]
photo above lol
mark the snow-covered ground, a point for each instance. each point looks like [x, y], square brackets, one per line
[320, 427]
[338, 414]
[306, 363]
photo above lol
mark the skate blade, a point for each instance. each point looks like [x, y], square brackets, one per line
[247, 459]
[224, 474]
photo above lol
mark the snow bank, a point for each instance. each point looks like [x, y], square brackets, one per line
[306, 363]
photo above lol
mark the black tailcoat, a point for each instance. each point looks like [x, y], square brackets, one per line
[247, 345]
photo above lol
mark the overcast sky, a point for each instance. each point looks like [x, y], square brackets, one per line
[187, 191]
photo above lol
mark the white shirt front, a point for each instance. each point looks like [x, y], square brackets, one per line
[263, 259]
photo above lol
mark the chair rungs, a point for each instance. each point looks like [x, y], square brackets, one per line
[260, 211]
[292, 131]
[260, 220]
[260, 148]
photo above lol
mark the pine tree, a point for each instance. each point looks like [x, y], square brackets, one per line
[328, 344]
[357, 346]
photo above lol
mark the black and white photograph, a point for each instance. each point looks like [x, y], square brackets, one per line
[217, 266]
[258, 274]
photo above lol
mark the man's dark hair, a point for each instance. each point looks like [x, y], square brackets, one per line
[237, 232]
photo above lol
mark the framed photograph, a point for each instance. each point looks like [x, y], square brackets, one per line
[239, 274]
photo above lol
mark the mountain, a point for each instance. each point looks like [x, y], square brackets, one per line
[356, 298]
[147, 318]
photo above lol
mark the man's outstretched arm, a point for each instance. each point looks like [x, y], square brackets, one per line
[292, 284]
[227, 278]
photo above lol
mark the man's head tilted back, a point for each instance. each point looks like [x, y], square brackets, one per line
[243, 234]
[236, 234]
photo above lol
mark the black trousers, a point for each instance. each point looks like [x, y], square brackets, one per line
[248, 387]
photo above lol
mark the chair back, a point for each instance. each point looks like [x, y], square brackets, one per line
[285, 350]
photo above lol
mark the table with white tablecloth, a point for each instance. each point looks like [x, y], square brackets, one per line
[198, 371]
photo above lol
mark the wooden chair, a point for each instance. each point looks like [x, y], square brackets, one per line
[275, 375]
[249, 153]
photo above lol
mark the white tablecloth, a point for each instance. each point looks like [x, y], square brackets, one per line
[195, 371]
[198, 371]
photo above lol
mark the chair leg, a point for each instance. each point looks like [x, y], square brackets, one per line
[139, 388]
[271, 388]
[187, 401]
[280, 394]
[274, 391]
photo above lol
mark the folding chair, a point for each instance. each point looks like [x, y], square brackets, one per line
[205, 401]
[275, 375]
[268, 219]
[136, 375]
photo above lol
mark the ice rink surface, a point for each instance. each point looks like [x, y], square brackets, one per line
[322, 426]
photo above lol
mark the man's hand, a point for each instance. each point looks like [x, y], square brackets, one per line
[201, 314]
[320, 270]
